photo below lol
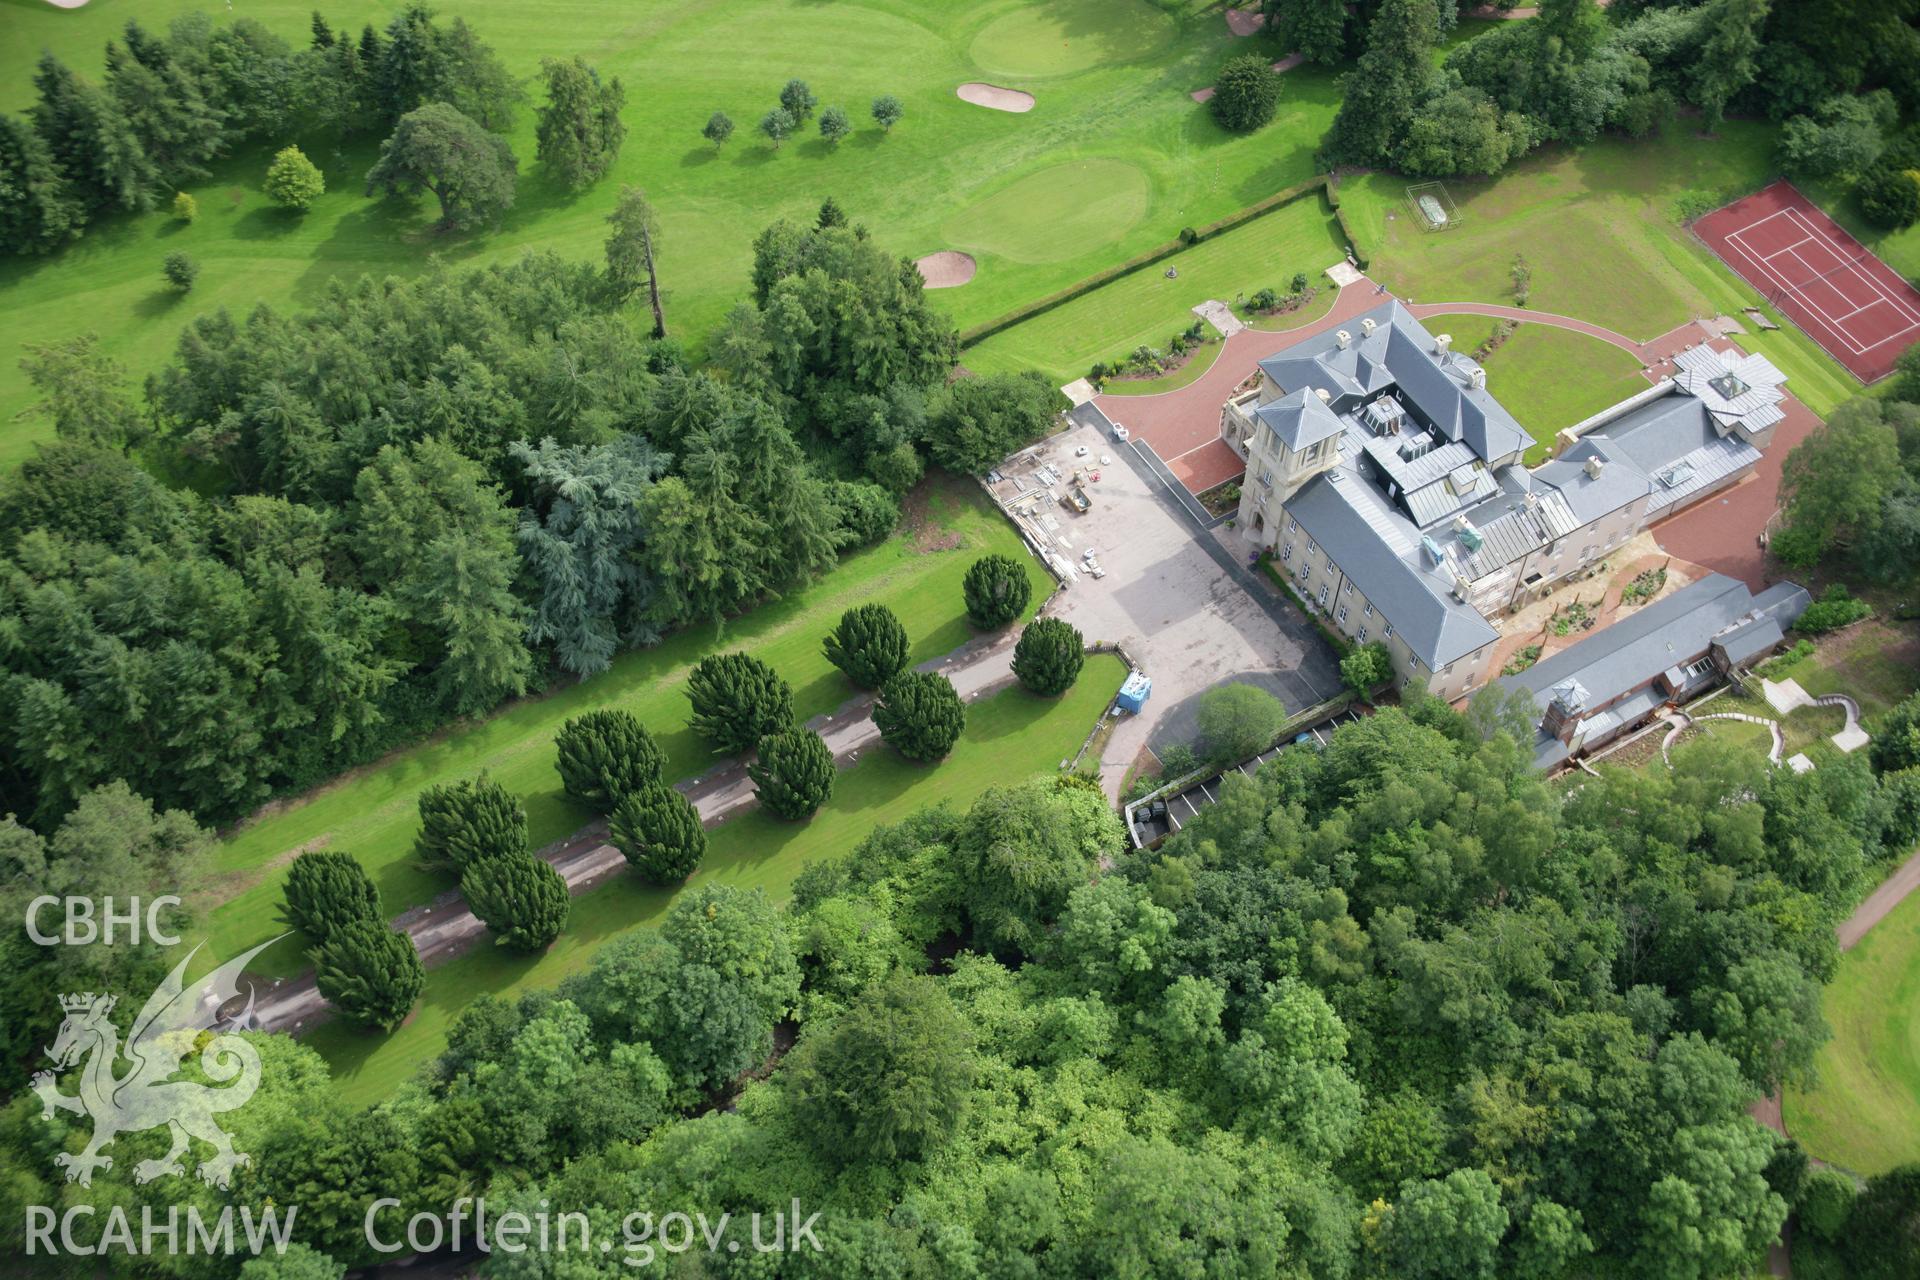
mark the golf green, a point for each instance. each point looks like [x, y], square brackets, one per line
[946, 161]
[1060, 37]
[1051, 214]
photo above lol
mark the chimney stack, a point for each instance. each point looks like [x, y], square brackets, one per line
[1441, 343]
[1479, 379]
[1367, 326]
[1326, 396]
[1344, 338]
[1595, 465]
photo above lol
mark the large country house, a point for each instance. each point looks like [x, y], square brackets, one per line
[1389, 487]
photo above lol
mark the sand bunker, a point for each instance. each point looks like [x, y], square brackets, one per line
[946, 269]
[992, 95]
[1245, 22]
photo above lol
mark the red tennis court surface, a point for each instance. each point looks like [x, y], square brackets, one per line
[1825, 281]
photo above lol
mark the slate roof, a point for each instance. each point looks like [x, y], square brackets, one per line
[1518, 531]
[1717, 610]
[1666, 633]
[1665, 450]
[1619, 483]
[1657, 453]
[1300, 419]
[1378, 548]
[1399, 354]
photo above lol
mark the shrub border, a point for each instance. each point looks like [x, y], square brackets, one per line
[1162, 252]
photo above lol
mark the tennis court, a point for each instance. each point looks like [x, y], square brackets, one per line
[1821, 278]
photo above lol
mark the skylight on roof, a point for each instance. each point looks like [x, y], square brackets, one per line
[1729, 386]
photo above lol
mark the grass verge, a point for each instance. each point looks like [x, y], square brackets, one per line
[1009, 736]
[1865, 1111]
[371, 813]
[1147, 307]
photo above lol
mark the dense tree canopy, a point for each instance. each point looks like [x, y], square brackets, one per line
[1245, 93]
[604, 756]
[1852, 488]
[435, 148]
[977, 422]
[580, 130]
[427, 496]
[920, 715]
[868, 644]
[737, 700]
[1393, 1007]
[890, 1078]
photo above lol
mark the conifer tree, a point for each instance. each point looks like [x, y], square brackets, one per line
[370, 973]
[659, 831]
[326, 889]
[868, 644]
[920, 715]
[604, 756]
[1049, 656]
[737, 700]
[793, 773]
[521, 898]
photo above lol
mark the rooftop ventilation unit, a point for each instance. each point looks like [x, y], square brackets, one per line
[1344, 338]
[1432, 549]
[1595, 464]
[1463, 480]
[1417, 445]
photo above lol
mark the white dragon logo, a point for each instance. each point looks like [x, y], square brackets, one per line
[169, 1028]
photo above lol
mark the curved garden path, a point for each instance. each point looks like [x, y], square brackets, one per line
[1650, 352]
[1680, 722]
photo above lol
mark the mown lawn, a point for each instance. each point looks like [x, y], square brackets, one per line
[1114, 158]
[1010, 736]
[1865, 1111]
[1547, 378]
[1147, 308]
[1875, 662]
[1602, 230]
[371, 813]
